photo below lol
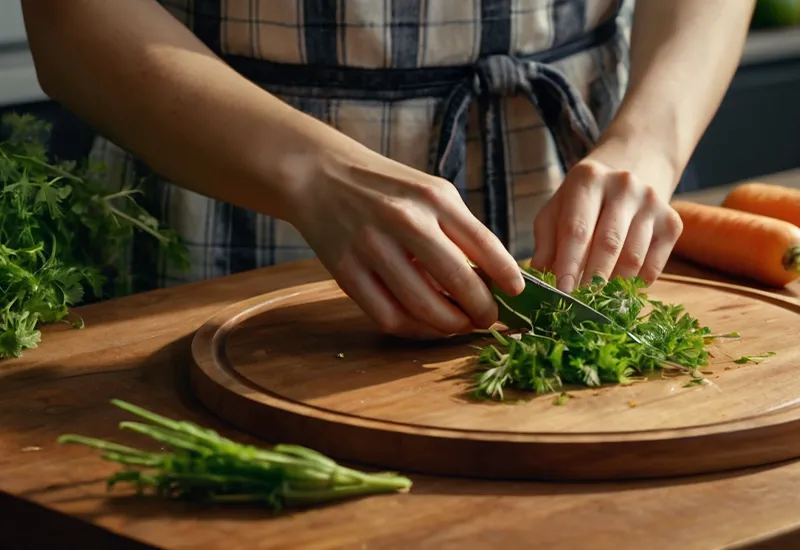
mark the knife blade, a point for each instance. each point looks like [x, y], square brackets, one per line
[537, 291]
[543, 292]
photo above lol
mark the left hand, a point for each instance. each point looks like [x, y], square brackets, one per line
[605, 221]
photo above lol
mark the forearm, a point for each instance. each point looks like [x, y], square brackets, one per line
[683, 56]
[143, 80]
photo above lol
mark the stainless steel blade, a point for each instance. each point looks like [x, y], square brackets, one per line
[543, 292]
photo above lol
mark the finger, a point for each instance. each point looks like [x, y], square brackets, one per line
[438, 288]
[367, 291]
[609, 237]
[576, 224]
[385, 256]
[481, 246]
[665, 234]
[636, 245]
[448, 266]
[544, 234]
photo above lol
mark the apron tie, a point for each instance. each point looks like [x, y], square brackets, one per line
[561, 107]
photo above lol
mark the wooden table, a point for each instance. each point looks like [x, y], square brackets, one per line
[137, 348]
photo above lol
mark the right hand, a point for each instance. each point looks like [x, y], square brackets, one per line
[392, 237]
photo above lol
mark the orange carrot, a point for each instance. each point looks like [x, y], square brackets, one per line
[739, 243]
[775, 201]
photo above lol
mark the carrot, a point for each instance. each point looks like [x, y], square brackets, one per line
[775, 201]
[739, 243]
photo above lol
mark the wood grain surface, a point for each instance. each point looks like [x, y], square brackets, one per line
[305, 365]
[138, 349]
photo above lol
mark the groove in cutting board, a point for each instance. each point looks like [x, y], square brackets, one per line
[305, 365]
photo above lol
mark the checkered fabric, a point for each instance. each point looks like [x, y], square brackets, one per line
[500, 97]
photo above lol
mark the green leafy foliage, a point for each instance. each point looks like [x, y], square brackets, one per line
[754, 358]
[62, 233]
[203, 466]
[556, 349]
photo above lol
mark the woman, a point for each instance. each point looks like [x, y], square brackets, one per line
[393, 138]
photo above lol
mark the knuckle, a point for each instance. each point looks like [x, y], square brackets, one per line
[437, 191]
[652, 272]
[424, 309]
[632, 259]
[610, 242]
[371, 240]
[673, 225]
[587, 171]
[414, 222]
[391, 324]
[651, 199]
[407, 217]
[626, 181]
[577, 229]
[457, 278]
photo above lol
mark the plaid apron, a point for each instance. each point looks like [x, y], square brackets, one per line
[499, 97]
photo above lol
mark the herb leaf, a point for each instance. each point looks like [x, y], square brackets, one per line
[62, 234]
[555, 349]
[200, 465]
[754, 358]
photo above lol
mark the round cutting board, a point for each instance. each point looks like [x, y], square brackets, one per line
[305, 365]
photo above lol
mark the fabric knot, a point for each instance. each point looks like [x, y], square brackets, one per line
[500, 75]
[563, 110]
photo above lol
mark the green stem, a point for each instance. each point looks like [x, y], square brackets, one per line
[335, 493]
[101, 445]
[49, 166]
[135, 222]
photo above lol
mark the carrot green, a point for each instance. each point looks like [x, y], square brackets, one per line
[203, 466]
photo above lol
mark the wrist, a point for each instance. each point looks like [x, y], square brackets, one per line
[319, 156]
[286, 177]
[638, 150]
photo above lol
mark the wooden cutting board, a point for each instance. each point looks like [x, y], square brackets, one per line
[305, 365]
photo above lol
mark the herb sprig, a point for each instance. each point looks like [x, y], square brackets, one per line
[205, 467]
[557, 350]
[62, 232]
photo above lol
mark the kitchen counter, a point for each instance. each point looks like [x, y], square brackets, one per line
[137, 349]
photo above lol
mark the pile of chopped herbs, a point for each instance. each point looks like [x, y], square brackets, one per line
[202, 466]
[554, 350]
[62, 233]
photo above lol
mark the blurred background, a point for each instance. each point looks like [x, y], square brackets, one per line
[755, 132]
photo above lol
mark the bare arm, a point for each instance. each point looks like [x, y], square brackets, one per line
[146, 82]
[683, 56]
[611, 215]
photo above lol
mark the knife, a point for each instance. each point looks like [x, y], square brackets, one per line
[536, 292]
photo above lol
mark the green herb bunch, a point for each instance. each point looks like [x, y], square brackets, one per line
[205, 467]
[61, 233]
[555, 349]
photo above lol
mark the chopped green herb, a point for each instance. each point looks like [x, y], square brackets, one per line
[754, 358]
[203, 466]
[62, 232]
[562, 398]
[695, 382]
[557, 350]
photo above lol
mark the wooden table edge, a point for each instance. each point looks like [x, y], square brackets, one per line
[20, 512]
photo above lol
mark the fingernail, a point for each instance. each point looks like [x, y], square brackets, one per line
[520, 285]
[566, 283]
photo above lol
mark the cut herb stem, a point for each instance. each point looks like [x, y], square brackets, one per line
[204, 466]
[554, 349]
